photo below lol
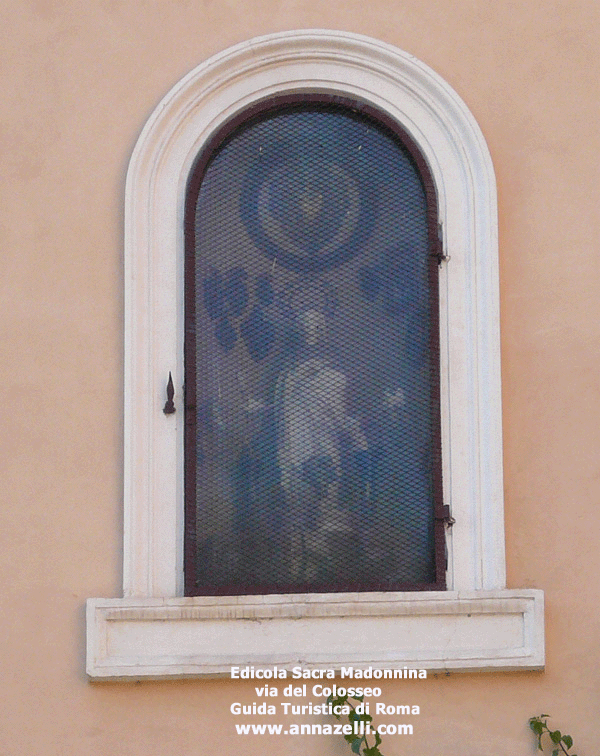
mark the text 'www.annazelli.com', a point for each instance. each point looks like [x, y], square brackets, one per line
[358, 728]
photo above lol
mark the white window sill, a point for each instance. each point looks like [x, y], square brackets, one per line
[131, 638]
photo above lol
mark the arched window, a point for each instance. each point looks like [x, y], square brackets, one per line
[313, 459]
[347, 296]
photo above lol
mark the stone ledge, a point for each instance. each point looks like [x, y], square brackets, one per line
[172, 638]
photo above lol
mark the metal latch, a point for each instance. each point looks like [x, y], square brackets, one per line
[445, 516]
[169, 407]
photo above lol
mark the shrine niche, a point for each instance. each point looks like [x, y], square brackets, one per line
[311, 353]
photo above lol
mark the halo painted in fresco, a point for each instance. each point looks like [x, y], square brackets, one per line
[302, 206]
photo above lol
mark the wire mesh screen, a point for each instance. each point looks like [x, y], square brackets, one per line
[310, 357]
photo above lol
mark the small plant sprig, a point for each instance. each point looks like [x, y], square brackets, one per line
[563, 743]
[359, 744]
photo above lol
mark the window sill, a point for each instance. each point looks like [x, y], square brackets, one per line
[170, 638]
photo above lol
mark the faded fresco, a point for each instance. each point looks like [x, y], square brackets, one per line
[315, 386]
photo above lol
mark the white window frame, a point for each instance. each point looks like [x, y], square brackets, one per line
[154, 631]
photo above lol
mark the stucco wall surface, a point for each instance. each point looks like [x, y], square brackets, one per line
[80, 80]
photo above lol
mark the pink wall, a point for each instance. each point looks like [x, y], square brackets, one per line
[82, 79]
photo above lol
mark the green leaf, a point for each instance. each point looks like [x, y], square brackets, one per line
[536, 726]
[555, 752]
[356, 745]
[373, 751]
[567, 740]
[556, 736]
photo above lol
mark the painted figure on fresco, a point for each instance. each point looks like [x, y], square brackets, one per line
[314, 426]
[294, 477]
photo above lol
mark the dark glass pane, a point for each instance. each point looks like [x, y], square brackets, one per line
[314, 417]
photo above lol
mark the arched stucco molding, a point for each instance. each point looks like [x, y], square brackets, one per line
[408, 91]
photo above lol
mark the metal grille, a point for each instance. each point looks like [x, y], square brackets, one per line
[311, 360]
